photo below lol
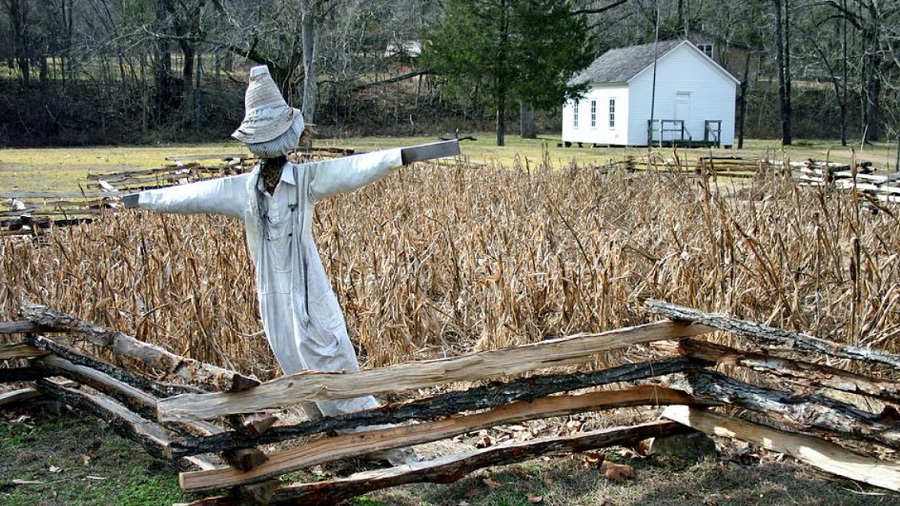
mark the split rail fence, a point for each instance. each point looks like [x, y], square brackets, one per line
[30, 212]
[882, 187]
[216, 419]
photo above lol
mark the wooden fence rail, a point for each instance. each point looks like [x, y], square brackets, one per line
[163, 403]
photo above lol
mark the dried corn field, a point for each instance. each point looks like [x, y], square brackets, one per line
[437, 260]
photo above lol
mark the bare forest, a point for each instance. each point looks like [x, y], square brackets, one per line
[81, 72]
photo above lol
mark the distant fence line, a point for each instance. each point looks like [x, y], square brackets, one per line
[31, 212]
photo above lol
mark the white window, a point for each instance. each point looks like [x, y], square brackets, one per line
[593, 114]
[575, 115]
[706, 48]
[612, 113]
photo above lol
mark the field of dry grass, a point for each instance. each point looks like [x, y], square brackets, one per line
[438, 260]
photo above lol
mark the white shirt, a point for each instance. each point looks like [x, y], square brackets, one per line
[300, 312]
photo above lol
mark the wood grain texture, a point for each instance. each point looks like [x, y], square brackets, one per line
[120, 343]
[453, 467]
[807, 412]
[801, 373]
[491, 395]
[760, 332]
[306, 387]
[355, 444]
[826, 456]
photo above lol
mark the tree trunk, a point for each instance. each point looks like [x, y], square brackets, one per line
[310, 37]
[873, 84]
[500, 85]
[526, 120]
[783, 72]
[17, 11]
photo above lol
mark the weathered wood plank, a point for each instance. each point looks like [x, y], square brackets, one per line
[123, 344]
[803, 373]
[19, 327]
[808, 412]
[758, 331]
[14, 351]
[131, 397]
[302, 387]
[55, 195]
[330, 449]
[148, 434]
[453, 467]
[143, 404]
[818, 453]
[11, 374]
[20, 395]
[77, 357]
[430, 408]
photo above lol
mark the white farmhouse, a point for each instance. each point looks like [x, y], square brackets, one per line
[694, 99]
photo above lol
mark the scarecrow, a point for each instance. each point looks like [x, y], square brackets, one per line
[301, 316]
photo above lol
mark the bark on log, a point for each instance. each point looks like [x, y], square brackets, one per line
[20, 327]
[768, 334]
[136, 400]
[15, 351]
[361, 443]
[148, 434]
[122, 344]
[20, 395]
[431, 408]
[453, 467]
[144, 404]
[809, 412]
[305, 387]
[79, 358]
[826, 456]
[11, 374]
[802, 373]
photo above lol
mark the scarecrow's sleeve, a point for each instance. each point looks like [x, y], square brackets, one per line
[347, 174]
[227, 195]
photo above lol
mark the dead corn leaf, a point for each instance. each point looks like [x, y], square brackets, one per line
[617, 472]
[54, 469]
[535, 499]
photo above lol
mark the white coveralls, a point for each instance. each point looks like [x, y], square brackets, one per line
[300, 312]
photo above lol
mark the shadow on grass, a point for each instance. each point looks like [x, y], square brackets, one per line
[567, 481]
[51, 459]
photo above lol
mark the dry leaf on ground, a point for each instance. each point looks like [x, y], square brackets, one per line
[617, 472]
[491, 484]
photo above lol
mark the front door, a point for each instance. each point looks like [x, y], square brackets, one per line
[683, 109]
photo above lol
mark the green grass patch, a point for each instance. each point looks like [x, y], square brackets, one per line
[78, 461]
